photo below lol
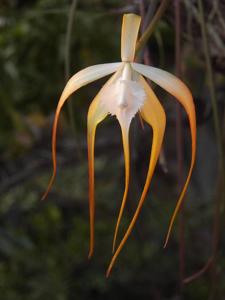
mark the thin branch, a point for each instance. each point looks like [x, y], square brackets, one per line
[68, 38]
[218, 131]
[149, 30]
[179, 143]
[212, 89]
[199, 273]
[68, 62]
[67, 54]
[213, 34]
[150, 13]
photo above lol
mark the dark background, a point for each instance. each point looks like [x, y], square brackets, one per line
[44, 245]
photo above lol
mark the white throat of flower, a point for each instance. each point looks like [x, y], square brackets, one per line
[124, 96]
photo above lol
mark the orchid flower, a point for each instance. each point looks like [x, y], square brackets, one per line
[124, 95]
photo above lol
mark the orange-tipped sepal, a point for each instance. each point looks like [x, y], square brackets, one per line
[185, 98]
[180, 91]
[153, 113]
[125, 137]
[95, 115]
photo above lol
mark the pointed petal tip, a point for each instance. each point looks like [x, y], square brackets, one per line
[108, 272]
[165, 244]
[170, 227]
[90, 254]
[44, 196]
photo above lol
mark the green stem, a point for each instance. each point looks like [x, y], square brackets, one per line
[220, 198]
[211, 82]
[179, 144]
[149, 30]
[67, 68]
[217, 126]
[67, 56]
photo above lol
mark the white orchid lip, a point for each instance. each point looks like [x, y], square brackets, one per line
[124, 97]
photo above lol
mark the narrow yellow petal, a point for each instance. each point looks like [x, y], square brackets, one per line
[153, 113]
[179, 90]
[77, 81]
[96, 113]
[95, 116]
[125, 136]
[130, 28]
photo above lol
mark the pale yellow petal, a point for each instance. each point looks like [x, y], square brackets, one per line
[125, 136]
[96, 113]
[130, 28]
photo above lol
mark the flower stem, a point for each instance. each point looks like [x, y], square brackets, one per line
[71, 15]
[67, 52]
[179, 143]
[220, 200]
[150, 28]
[211, 82]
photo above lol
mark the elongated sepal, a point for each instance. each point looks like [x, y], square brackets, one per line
[95, 116]
[80, 79]
[96, 113]
[125, 137]
[179, 90]
[153, 113]
[130, 28]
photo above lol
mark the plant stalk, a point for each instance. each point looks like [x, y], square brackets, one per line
[67, 59]
[220, 200]
[150, 28]
[179, 143]
[67, 53]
